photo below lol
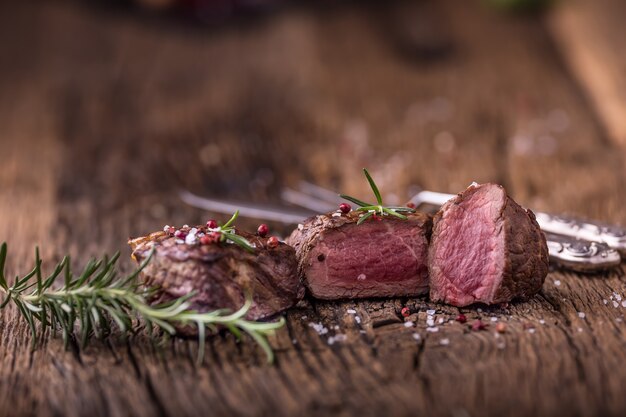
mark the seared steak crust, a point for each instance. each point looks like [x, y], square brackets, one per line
[382, 257]
[221, 274]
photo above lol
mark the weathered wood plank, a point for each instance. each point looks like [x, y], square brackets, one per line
[129, 111]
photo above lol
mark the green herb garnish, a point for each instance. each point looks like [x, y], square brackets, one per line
[227, 232]
[98, 297]
[378, 208]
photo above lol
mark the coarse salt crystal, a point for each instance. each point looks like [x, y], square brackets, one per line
[542, 321]
[430, 322]
[431, 312]
[557, 282]
[190, 239]
[441, 320]
[494, 319]
[615, 304]
[300, 226]
[416, 336]
[618, 297]
[624, 303]
[581, 314]
[166, 228]
[351, 311]
[336, 214]
[480, 310]
[304, 317]
[432, 329]
[444, 342]
[605, 301]
[361, 277]
[408, 324]
[580, 329]
[357, 319]
[531, 330]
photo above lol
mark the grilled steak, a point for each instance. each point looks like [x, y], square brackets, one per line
[485, 248]
[221, 274]
[381, 257]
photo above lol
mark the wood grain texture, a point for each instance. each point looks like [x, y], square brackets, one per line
[103, 116]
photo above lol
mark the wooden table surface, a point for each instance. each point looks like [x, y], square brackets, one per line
[105, 114]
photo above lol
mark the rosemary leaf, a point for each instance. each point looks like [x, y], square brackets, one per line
[90, 301]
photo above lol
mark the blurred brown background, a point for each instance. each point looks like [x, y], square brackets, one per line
[107, 109]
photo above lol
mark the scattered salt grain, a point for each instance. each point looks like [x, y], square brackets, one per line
[179, 241]
[531, 330]
[605, 301]
[581, 314]
[494, 319]
[336, 214]
[624, 303]
[408, 324]
[580, 329]
[444, 342]
[300, 226]
[362, 331]
[542, 321]
[336, 327]
[361, 277]
[319, 328]
[615, 304]
[557, 282]
[617, 296]
[480, 310]
[166, 228]
[619, 319]
[337, 338]
[430, 322]
[416, 336]
[441, 320]
[190, 239]
[432, 329]
[357, 319]
[431, 312]
[351, 311]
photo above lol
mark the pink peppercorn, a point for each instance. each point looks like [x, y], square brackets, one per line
[263, 230]
[478, 325]
[272, 242]
[410, 205]
[461, 318]
[211, 224]
[345, 208]
[406, 312]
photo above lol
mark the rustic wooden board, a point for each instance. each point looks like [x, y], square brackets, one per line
[103, 116]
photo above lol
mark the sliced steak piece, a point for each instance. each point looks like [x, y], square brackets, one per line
[382, 257]
[221, 274]
[485, 248]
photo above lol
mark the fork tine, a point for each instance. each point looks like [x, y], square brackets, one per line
[285, 216]
[305, 200]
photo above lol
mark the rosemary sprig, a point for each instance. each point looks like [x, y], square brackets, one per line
[227, 232]
[98, 296]
[378, 208]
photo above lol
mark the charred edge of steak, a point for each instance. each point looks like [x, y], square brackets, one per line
[221, 274]
[524, 252]
[404, 236]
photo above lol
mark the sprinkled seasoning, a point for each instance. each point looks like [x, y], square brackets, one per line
[272, 242]
[345, 208]
[262, 230]
[478, 325]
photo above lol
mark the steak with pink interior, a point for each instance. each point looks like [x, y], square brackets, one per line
[485, 248]
[221, 274]
[382, 257]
